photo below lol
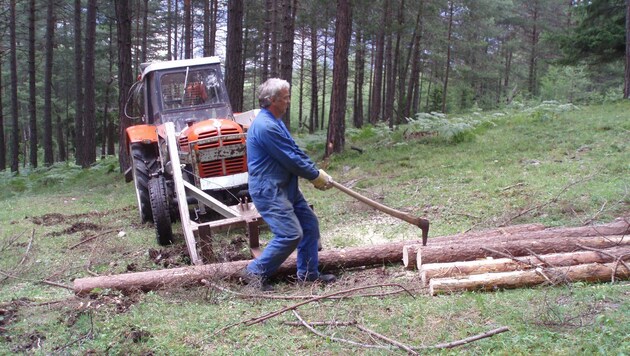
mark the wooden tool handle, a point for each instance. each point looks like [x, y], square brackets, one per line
[423, 224]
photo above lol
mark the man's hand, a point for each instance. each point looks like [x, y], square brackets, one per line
[323, 181]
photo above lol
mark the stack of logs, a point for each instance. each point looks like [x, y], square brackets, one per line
[442, 261]
[521, 255]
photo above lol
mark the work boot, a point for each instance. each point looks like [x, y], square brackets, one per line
[322, 278]
[254, 280]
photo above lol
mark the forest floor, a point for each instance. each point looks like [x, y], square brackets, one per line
[550, 165]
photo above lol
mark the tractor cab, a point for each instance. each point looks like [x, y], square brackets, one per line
[184, 92]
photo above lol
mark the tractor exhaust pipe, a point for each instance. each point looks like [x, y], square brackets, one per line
[423, 224]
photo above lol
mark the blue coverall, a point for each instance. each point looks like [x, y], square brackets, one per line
[275, 162]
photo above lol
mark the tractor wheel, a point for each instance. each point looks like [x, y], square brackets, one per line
[144, 163]
[160, 206]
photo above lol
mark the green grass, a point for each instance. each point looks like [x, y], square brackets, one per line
[562, 164]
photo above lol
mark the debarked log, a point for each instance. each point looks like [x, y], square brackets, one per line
[474, 251]
[460, 269]
[592, 272]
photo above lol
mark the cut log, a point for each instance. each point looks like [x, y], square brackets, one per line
[328, 260]
[409, 255]
[460, 269]
[506, 231]
[592, 272]
[474, 251]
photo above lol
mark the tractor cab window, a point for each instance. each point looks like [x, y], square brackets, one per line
[190, 88]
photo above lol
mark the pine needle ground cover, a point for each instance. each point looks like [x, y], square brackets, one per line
[555, 164]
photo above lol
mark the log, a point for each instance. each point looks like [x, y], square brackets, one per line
[506, 231]
[409, 254]
[461, 269]
[592, 272]
[328, 260]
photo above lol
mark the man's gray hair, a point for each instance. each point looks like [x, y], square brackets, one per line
[270, 89]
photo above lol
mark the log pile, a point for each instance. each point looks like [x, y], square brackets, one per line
[522, 256]
[520, 240]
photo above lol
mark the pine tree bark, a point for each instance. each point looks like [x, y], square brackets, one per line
[336, 124]
[49, 158]
[188, 35]
[15, 129]
[375, 110]
[32, 90]
[359, 76]
[286, 55]
[3, 146]
[626, 82]
[234, 57]
[314, 120]
[79, 84]
[274, 61]
[125, 77]
[89, 123]
[448, 54]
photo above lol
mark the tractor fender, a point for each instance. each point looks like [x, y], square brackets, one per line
[141, 133]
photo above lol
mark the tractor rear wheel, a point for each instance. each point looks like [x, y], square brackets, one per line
[143, 161]
[160, 207]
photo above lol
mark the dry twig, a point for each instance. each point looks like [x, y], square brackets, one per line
[407, 348]
[294, 297]
[91, 238]
[336, 338]
[270, 315]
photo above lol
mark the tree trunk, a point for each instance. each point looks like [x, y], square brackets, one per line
[389, 77]
[234, 57]
[188, 33]
[3, 146]
[357, 118]
[301, 91]
[462, 269]
[377, 84]
[89, 123]
[125, 77]
[626, 82]
[61, 143]
[336, 123]
[532, 79]
[592, 272]
[273, 57]
[324, 75]
[314, 121]
[169, 30]
[32, 90]
[266, 40]
[448, 54]
[49, 158]
[79, 83]
[286, 55]
[413, 87]
[15, 129]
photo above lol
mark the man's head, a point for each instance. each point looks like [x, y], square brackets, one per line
[274, 95]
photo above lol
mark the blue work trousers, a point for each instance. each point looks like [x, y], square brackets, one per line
[293, 224]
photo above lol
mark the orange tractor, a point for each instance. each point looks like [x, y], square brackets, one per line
[188, 156]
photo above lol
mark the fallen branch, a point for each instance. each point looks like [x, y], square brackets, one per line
[322, 323]
[328, 337]
[402, 346]
[50, 283]
[270, 315]
[91, 238]
[450, 345]
[292, 297]
[28, 248]
[603, 253]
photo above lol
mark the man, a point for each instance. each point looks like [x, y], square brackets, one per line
[275, 162]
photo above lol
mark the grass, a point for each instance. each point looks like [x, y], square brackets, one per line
[562, 165]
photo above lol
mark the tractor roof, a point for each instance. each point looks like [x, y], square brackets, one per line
[153, 66]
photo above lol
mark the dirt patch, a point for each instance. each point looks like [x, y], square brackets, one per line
[31, 341]
[170, 257]
[49, 219]
[54, 219]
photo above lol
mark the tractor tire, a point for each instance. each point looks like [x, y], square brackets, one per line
[144, 163]
[160, 207]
